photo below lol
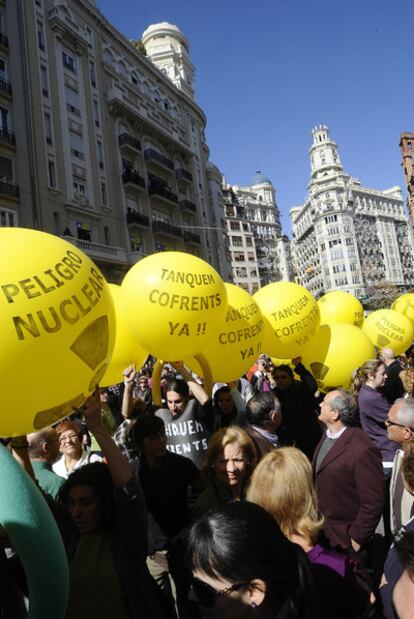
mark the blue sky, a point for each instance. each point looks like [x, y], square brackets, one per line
[267, 71]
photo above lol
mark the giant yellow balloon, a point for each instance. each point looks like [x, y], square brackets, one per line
[126, 350]
[173, 303]
[405, 305]
[57, 327]
[334, 354]
[235, 348]
[292, 317]
[386, 327]
[340, 306]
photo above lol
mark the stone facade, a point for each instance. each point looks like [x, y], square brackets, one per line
[346, 236]
[99, 143]
[261, 212]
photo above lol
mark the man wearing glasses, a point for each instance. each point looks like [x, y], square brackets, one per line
[400, 428]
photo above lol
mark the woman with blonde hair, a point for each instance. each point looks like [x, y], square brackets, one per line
[282, 485]
[229, 462]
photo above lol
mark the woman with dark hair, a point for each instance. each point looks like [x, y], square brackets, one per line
[373, 407]
[225, 410]
[243, 566]
[106, 536]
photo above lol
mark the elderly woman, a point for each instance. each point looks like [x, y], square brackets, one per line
[282, 484]
[230, 460]
[73, 452]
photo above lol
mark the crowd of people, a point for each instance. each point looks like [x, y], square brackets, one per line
[268, 499]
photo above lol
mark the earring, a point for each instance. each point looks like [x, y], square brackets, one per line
[253, 605]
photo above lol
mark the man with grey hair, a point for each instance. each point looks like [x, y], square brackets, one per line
[348, 475]
[393, 387]
[43, 452]
[400, 428]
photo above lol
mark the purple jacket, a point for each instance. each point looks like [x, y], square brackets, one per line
[373, 411]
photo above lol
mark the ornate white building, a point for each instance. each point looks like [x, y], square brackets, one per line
[346, 236]
[242, 246]
[262, 213]
[100, 143]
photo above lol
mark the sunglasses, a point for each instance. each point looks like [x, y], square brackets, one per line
[388, 422]
[207, 596]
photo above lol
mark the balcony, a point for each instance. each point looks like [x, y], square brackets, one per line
[183, 174]
[166, 228]
[5, 87]
[4, 41]
[76, 153]
[186, 205]
[73, 109]
[7, 137]
[152, 155]
[158, 187]
[133, 177]
[9, 189]
[191, 237]
[133, 217]
[128, 140]
[99, 251]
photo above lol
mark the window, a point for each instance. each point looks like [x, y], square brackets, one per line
[89, 37]
[48, 128]
[68, 62]
[100, 154]
[3, 69]
[96, 112]
[239, 257]
[249, 241]
[7, 218]
[103, 195]
[4, 119]
[107, 236]
[84, 231]
[237, 241]
[79, 189]
[76, 144]
[349, 241]
[40, 36]
[56, 220]
[136, 241]
[43, 80]
[92, 73]
[234, 225]
[6, 168]
[52, 173]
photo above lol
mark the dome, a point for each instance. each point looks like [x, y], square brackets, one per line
[260, 179]
[163, 29]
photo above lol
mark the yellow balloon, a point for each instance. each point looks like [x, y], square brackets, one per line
[335, 352]
[340, 306]
[57, 325]
[234, 349]
[405, 305]
[278, 361]
[173, 303]
[126, 350]
[386, 327]
[292, 317]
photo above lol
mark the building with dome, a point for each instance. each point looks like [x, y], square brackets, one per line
[347, 236]
[262, 218]
[109, 149]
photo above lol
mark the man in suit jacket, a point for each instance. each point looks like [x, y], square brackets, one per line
[348, 475]
[400, 429]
